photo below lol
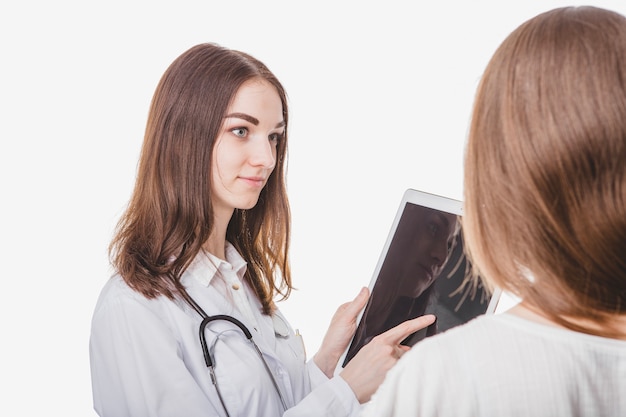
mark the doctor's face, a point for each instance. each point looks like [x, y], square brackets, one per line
[244, 155]
[427, 245]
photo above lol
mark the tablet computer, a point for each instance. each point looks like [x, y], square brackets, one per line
[422, 270]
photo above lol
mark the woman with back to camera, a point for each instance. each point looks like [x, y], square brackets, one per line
[545, 219]
[200, 254]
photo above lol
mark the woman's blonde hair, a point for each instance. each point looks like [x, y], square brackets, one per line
[545, 167]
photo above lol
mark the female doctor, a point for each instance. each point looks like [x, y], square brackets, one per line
[188, 326]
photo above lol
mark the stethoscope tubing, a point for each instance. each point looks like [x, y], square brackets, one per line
[206, 319]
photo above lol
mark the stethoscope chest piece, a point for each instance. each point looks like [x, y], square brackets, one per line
[280, 326]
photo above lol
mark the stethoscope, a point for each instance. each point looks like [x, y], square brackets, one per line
[206, 319]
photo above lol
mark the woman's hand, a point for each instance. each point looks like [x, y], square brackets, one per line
[341, 329]
[366, 371]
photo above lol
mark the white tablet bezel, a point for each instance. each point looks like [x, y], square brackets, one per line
[424, 199]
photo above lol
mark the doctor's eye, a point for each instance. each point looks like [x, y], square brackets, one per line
[433, 228]
[276, 137]
[240, 132]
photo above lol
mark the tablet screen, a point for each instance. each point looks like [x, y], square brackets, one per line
[422, 270]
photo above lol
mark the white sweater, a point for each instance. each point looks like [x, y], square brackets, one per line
[503, 365]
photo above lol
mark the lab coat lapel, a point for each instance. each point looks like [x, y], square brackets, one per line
[271, 328]
[265, 338]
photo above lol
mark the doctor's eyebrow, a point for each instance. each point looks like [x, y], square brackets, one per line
[250, 119]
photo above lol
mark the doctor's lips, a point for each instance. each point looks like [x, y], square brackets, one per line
[430, 272]
[254, 180]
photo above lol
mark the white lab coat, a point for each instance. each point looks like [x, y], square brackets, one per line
[146, 358]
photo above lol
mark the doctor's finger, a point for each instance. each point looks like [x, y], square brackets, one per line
[397, 334]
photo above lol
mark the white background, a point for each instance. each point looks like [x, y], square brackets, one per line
[380, 96]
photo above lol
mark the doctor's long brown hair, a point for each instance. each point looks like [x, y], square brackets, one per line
[545, 169]
[170, 215]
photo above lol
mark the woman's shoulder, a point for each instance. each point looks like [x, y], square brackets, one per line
[118, 297]
[116, 289]
[504, 358]
[472, 338]
[507, 337]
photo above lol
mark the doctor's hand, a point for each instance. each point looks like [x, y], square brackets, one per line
[366, 371]
[341, 329]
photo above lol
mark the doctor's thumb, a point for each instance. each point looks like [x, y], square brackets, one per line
[360, 300]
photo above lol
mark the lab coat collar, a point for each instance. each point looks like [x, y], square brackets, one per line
[206, 261]
[204, 269]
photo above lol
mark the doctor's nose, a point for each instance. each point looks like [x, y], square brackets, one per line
[439, 252]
